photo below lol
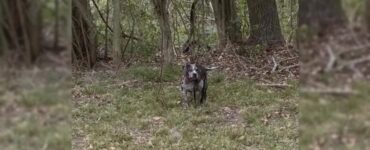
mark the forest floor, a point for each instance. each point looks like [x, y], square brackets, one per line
[35, 108]
[335, 99]
[130, 109]
[339, 121]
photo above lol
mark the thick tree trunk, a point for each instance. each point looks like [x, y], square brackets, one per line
[84, 51]
[321, 15]
[161, 9]
[21, 27]
[367, 14]
[264, 23]
[227, 22]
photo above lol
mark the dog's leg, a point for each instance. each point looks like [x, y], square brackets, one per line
[204, 93]
[195, 98]
[185, 100]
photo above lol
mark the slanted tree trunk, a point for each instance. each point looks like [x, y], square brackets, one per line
[264, 23]
[116, 31]
[321, 16]
[227, 21]
[84, 51]
[21, 27]
[161, 10]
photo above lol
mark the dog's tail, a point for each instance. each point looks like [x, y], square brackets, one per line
[211, 68]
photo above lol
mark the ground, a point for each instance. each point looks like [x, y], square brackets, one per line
[131, 109]
[34, 108]
[336, 121]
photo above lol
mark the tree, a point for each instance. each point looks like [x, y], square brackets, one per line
[264, 23]
[367, 14]
[116, 31]
[227, 21]
[162, 12]
[84, 49]
[21, 25]
[321, 15]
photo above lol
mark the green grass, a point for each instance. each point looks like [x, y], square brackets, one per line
[335, 122]
[238, 114]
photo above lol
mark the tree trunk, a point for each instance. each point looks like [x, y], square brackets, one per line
[56, 26]
[367, 14]
[106, 31]
[161, 9]
[264, 23]
[84, 51]
[227, 22]
[21, 27]
[321, 15]
[116, 31]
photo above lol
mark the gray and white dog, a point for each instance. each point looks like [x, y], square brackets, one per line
[194, 82]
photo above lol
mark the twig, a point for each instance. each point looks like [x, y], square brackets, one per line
[275, 64]
[332, 59]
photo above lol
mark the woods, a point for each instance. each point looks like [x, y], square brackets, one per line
[199, 21]
[184, 74]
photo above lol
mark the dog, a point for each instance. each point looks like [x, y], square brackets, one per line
[194, 80]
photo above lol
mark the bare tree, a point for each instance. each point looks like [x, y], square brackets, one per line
[84, 50]
[227, 21]
[161, 10]
[264, 23]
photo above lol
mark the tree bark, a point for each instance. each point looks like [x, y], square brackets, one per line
[21, 27]
[321, 15]
[84, 51]
[367, 14]
[227, 21]
[116, 31]
[264, 23]
[56, 26]
[161, 9]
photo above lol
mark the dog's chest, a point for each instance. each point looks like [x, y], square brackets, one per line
[191, 85]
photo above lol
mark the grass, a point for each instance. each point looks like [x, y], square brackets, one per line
[34, 108]
[335, 122]
[137, 115]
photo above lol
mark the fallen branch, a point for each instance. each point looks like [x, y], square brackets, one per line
[332, 91]
[276, 85]
[354, 62]
[288, 67]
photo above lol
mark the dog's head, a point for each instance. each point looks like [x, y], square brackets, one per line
[191, 71]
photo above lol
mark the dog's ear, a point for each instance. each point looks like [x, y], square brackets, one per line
[185, 66]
